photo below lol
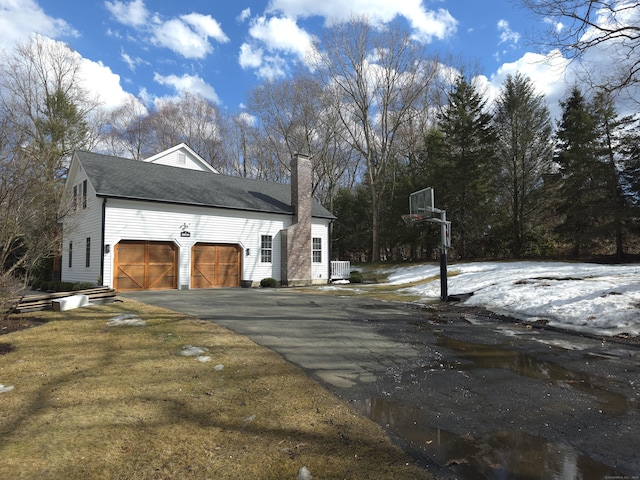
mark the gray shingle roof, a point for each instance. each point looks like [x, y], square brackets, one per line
[116, 177]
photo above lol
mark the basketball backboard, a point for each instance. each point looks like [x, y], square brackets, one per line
[421, 202]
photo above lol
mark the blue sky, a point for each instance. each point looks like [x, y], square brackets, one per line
[220, 49]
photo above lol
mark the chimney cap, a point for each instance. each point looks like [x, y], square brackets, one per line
[301, 155]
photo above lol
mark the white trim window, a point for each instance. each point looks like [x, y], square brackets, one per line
[266, 249]
[317, 249]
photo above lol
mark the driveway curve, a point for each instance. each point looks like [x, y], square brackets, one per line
[468, 395]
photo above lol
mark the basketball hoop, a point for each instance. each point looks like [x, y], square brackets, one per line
[422, 209]
[414, 218]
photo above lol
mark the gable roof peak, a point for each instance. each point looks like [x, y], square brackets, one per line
[187, 150]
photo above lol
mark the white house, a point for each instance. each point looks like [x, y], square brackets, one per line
[173, 222]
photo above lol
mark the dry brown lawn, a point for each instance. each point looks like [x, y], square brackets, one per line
[93, 401]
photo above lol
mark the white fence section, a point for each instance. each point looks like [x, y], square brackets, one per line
[340, 270]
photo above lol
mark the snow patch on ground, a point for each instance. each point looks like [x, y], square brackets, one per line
[593, 298]
[126, 319]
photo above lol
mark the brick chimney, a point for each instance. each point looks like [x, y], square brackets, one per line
[296, 239]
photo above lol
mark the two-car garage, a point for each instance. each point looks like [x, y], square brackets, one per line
[150, 265]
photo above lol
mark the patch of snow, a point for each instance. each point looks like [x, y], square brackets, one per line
[204, 358]
[126, 319]
[304, 474]
[593, 298]
[218, 367]
[4, 389]
[191, 351]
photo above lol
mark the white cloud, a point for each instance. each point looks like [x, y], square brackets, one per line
[176, 35]
[266, 66]
[21, 18]
[556, 26]
[206, 26]
[244, 15]
[133, 14]
[506, 34]
[188, 35]
[250, 57]
[273, 39]
[427, 24]
[189, 83]
[131, 62]
[103, 83]
[281, 34]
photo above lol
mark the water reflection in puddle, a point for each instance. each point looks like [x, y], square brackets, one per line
[488, 356]
[498, 455]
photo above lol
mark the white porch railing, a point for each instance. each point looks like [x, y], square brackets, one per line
[340, 270]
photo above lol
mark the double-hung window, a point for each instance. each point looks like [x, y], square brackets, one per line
[317, 250]
[266, 248]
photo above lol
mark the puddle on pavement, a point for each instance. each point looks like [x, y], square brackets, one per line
[498, 455]
[489, 356]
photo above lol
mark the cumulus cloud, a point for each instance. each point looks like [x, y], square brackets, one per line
[21, 18]
[250, 57]
[206, 26]
[427, 24]
[281, 34]
[187, 35]
[188, 84]
[132, 14]
[103, 82]
[271, 40]
[266, 66]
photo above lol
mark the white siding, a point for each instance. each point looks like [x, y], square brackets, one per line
[79, 225]
[126, 220]
[320, 271]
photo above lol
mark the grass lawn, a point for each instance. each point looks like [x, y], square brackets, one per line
[96, 398]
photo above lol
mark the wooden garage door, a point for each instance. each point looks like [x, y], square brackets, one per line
[141, 265]
[215, 265]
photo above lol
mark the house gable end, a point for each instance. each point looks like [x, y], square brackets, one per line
[181, 156]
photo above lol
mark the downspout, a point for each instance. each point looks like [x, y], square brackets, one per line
[104, 211]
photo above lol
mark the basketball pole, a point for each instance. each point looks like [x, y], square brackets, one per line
[444, 294]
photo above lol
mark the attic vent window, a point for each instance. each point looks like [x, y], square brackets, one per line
[182, 159]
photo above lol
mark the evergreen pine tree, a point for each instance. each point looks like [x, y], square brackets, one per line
[524, 152]
[584, 184]
[462, 168]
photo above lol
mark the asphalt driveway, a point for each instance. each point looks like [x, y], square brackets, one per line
[324, 335]
[468, 395]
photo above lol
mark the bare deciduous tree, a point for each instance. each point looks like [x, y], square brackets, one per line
[582, 26]
[43, 111]
[297, 115]
[379, 80]
[129, 130]
[41, 91]
[193, 120]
